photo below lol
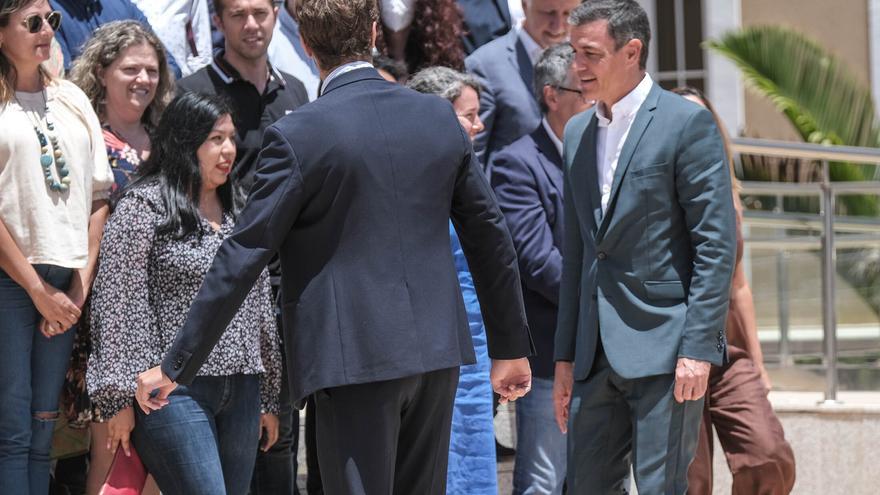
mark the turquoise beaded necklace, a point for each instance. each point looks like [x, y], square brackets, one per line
[49, 143]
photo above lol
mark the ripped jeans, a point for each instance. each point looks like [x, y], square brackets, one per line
[32, 370]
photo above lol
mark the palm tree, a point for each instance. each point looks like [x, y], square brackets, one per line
[826, 104]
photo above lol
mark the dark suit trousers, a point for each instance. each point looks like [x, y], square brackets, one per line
[385, 438]
[760, 459]
[616, 422]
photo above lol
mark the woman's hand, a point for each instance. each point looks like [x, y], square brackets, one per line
[269, 423]
[56, 308]
[119, 430]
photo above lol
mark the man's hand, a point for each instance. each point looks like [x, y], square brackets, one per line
[511, 378]
[562, 383]
[691, 379]
[147, 382]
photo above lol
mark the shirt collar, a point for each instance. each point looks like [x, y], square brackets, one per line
[533, 49]
[228, 73]
[628, 105]
[556, 141]
[342, 69]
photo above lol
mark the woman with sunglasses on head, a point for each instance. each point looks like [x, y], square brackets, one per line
[160, 243]
[55, 181]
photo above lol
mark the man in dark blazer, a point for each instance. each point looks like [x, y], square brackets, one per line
[484, 20]
[355, 192]
[504, 67]
[649, 248]
[527, 179]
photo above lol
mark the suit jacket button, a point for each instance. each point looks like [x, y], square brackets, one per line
[601, 255]
[177, 366]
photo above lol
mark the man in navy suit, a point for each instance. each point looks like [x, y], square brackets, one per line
[484, 20]
[527, 178]
[650, 240]
[504, 67]
[355, 193]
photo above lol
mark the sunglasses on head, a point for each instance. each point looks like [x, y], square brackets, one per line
[34, 23]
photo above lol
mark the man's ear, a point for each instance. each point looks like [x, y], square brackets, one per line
[550, 98]
[633, 49]
[374, 35]
[218, 23]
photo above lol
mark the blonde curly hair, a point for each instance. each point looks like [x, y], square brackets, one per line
[105, 46]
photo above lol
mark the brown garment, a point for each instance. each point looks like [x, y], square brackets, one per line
[759, 457]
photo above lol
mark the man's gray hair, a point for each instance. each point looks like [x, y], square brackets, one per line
[552, 70]
[442, 81]
[627, 20]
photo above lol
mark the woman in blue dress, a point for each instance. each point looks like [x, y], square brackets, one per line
[472, 465]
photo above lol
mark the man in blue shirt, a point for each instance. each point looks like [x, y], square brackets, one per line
[82, 17]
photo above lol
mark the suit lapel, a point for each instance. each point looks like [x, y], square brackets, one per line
[586, 154]
[522, 62]
[640, 124]
[549, 157]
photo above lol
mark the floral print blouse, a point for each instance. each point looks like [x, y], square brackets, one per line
[142, 293]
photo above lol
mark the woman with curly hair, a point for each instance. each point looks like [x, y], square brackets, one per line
[124, 71]
[422, 33]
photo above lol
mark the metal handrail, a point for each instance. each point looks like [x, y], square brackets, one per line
[806, 151]
[828, 156]
[810, 221]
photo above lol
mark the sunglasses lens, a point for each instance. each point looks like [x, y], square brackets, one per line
[34, 23]
[54, 20]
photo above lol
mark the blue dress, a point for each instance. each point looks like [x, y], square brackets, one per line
[472, 465]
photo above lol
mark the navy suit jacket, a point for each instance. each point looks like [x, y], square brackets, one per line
[484, 20]
[355, 192]
[651, 276]
[527, 179]
[508, 107]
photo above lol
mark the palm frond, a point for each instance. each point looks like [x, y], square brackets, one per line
[814, 89]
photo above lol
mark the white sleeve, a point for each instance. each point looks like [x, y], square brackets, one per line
[397, 15]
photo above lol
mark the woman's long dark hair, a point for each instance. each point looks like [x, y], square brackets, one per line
[184, 126]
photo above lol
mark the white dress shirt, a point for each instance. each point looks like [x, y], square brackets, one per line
[287, 54]
[553, 137]
[342, 69]
[169, 18]
[533, 49]
[611, 134]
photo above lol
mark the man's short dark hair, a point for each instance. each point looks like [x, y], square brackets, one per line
[337, 31]
[627, 20]
[218, 6]
[552, 70]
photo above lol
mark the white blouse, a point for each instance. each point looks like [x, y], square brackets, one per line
[51, 227]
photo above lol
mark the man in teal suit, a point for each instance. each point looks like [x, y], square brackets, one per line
[649, 250]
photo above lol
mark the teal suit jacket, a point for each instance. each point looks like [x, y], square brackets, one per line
[651, 277]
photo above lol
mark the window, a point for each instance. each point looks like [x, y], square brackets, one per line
[679, 33]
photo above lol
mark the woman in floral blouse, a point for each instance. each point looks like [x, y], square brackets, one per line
[160, 243]
[124, 73]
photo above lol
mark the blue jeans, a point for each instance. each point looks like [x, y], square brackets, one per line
[540, 446]
[204, 441]
[32, 370]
